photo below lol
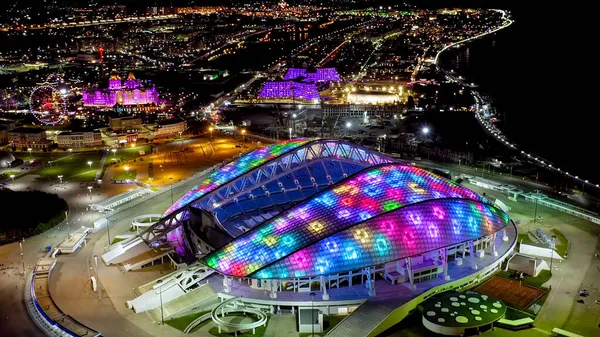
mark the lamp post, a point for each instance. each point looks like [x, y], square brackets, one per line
[211, 132]
[70, 150]
[90, 163]
[171, 187]
[22, 256]
[68, 226]
[30, 157]
[12, 176]
[312, 312]
[290, 129]
[98, 278]
[108, 230]
[536, 203]
[90, 191]
[244, 134]
[162, 317]
[60, 176]
[114, 151]
[552, 252]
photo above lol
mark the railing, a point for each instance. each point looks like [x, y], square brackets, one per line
[232, 326]
[49, 326]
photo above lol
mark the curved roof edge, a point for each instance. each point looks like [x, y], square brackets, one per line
[252, 161]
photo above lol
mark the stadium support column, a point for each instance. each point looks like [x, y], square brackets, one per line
[409, 271]
[472, 255]
[227, 284]
[370, 282]
[273, 293]
[444, 259]
[323, 284]
[494, 251]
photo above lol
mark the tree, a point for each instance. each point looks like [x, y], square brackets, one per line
[410, 102]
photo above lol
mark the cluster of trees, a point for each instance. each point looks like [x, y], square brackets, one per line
[28, 213]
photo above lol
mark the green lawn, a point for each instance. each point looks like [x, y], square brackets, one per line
[73, 167]
[9, 173]
[537, 281]
[525, 238]
[182, 322]
[125, 154]
[513, 314]
[260, 331]
[329, 321]
[124, 175]
[562, 246]
[115, 240]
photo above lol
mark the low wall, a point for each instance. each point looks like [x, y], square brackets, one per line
[539, 251]
[49, 326]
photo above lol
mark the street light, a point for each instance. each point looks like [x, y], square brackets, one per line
[162, 317]
[22, 257]
[552, 252]
[211, 132]
[90, 163]
[171, 186]
[70, 150]
[90, 191]
[60, 176]
[114, 151]
[30, 157]
[312, 312]
[244, 134]
[98, 278]
[290, 129]
[425, 130]
[348, 125]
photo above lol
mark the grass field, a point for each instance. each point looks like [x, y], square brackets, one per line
[180, 323]
[128, 153]
[115, 240]
[562, 244]
[72, 167]
[524, 238]
[329, 321]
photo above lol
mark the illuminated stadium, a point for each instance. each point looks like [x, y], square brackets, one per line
[334, 214]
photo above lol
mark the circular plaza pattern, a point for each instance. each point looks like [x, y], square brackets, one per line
[453, 314]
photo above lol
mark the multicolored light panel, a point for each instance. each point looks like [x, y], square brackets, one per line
[371, 192]
[408, 231]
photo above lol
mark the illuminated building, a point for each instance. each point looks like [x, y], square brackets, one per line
[34, 138]
[330, 212]
[299, 83]
[79, 139]
[372, 97]
[320, 75]
[126, 93]
[322, 223]
[289, 89]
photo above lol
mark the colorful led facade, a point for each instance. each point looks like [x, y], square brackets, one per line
[379, 215]
[291, 89]
[299, 84]
[321, 75]
[128, 92]
[235, 169]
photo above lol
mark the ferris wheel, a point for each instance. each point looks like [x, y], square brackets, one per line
[47, 105]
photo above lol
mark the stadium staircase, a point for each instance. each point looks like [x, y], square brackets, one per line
[363, 320]
[202, 297]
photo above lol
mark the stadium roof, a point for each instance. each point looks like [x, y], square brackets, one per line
[235, 169]
[378, 215]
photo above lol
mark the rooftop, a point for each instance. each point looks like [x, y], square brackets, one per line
[27, 130]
